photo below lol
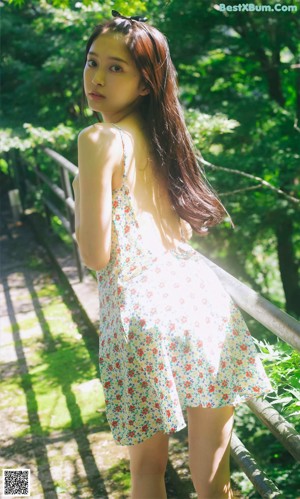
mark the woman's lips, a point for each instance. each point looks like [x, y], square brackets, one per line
[96, 96]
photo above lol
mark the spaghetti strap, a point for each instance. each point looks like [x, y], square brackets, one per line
[126, 165]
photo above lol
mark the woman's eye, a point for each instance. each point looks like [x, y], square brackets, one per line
[116, 66]
[91, 63]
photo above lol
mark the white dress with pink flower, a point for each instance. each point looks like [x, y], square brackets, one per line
[170, 335]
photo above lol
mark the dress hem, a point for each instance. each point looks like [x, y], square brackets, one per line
[241, 400]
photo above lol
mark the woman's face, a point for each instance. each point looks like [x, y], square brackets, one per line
[112, 82]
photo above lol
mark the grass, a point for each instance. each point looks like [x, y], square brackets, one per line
[63, 374]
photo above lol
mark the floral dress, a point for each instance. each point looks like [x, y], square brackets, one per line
[170, 335]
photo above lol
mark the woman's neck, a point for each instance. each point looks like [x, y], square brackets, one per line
[130, 120]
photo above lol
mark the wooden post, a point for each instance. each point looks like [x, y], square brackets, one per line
[15, 204]
[66, 185]
[39, 185]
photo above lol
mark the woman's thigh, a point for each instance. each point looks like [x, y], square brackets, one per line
[150, 456]
[209, 433]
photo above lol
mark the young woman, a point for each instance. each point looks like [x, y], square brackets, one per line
[171, 338]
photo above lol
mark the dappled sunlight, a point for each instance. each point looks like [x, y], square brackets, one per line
[53, 395]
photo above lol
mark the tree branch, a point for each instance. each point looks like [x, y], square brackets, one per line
[252, 177]
[296, 125]
[236, 191]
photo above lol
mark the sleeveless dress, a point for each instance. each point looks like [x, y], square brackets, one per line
[170, 335]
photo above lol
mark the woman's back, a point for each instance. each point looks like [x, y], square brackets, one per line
[160, 225]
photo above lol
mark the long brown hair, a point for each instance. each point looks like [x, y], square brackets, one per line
[191, 194]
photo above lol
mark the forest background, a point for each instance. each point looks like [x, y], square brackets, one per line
[239, 85]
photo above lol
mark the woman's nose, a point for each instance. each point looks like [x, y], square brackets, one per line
[98, 78]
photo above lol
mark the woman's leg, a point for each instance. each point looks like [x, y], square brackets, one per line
[148, 462]
[209, 433]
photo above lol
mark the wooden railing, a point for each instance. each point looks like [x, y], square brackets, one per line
[275, 320]
[66, 195]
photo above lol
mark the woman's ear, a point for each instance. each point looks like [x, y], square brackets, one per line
[144, 90]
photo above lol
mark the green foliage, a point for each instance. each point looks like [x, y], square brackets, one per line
[9, 141]
[3, 165]
[60, 137]
[59, 229]
[205, 128]
[238, 87]
[283, 366]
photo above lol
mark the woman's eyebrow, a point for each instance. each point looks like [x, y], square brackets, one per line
[109, 57]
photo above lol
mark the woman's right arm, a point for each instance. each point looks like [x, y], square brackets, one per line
[99, 153]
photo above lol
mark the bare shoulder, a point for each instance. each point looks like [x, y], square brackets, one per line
[101, 141]
[99, 133]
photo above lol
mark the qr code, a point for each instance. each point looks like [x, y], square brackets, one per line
[16, 482]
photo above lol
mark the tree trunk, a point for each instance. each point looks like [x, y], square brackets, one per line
[288, 265]
[270, 66]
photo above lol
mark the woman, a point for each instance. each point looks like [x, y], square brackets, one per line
[171, 338]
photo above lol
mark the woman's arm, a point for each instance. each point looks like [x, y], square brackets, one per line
[99, 152]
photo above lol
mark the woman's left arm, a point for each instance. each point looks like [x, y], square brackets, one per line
[98, 154]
